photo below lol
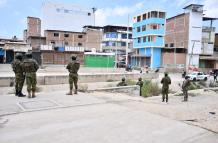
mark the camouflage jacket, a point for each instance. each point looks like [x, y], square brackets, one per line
[185, 84]
[17, 66]
[166, 81]
[30, 65]
[73, 67]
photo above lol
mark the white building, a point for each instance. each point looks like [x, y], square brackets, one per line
[66, 17]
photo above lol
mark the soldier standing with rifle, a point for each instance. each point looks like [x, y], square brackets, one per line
[19, 75]
[165, 88]
[185, 85]
[140, 83]
[30, 67]
[73, 68]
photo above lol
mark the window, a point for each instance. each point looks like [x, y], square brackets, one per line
[80, 36]
[138, 18]
[154, 14]
[53, 42]
[139, 40]
[89, 14]
[171, 44]
[166, 45]
[80, 44]
[56, 34]
[144, 16]
[66, 35]
[66, 11]
[124, 36]
[138, 29]
[149, 15]
[149, 38]
[144, 28]
[66, 43]
[161, 14]
[144, 39]
[130, 36]
[123, 43]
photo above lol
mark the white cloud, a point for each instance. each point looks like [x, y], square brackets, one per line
[103, 15]
[3, 2]
[211, 8]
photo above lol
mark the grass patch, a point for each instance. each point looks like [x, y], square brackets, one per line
[150, 89]
[130, 82]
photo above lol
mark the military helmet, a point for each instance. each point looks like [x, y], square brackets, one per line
[140, 79]
[18, 56]
[123, 79]
[28, 55]
[166, 73]
[73, 58]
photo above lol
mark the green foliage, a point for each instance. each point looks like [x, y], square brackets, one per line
[202, 83]
[194, 86]
[150, 89]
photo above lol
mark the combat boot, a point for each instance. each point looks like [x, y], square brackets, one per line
[29, 95]
[70, 93]
[16, 93]
[75, 92]
[33, 94]
[20, 94]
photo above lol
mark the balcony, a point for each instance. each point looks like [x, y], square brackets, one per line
[208, 29]
[207, 48]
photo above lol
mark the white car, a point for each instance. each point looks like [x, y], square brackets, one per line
[197, 76]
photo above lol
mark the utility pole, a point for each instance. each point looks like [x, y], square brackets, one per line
[94, 9]
[127, 42]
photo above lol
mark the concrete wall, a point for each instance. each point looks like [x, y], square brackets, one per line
[63, 79]
[168, 58]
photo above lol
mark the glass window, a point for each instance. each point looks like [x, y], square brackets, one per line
[111, 35]
[56, 34]
[138, 29]
[66, 35]
[80, 36]
[139, 40]
[171, 44]
[124, 36]
[162, 14]
[138, 18]
[144, 28]
[80, 44]
[144, 39]
[144, 16]
[154, 14]
[130, 36]
[123, 43]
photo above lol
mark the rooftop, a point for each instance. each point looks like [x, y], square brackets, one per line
[193, 5]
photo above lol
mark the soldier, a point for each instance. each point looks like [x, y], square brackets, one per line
[19, 75]
[165, 88]
[30, 67]
[73, 68]
[122, 83]
[185, 85]
[140, 83]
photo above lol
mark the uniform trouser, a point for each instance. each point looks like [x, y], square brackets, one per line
[165, 94]
[31, 82]
[73, 79]
[185, 93]
[19, 81]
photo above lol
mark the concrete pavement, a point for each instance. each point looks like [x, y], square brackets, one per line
[100, 117]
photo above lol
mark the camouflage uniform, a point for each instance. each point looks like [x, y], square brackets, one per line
[140, 83]
[19, 75]
[185, 85]
[165, 88]
[73, 68]
[30, 67]
[122, 83]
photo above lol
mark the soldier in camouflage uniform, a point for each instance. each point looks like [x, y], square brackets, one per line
[165, 88]
[185, 85]
[73, 68]
[30, 67]
[19, 75]
[122, 83]
[140, 83]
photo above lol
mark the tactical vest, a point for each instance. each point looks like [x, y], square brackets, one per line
[29, 66]
[17, 66]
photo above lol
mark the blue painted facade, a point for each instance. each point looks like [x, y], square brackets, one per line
[148, 39]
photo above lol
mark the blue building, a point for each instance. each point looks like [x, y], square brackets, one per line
[148, 39]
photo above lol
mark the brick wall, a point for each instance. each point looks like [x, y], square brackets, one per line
[33, 26]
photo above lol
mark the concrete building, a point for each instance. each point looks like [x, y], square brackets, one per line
[148, 39]
[66, 17]
[9, 47]
[188, 43]
[117, 39]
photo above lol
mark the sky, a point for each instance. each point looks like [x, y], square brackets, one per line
[14, 13]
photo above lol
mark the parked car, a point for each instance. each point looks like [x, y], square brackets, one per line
[198, 76]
